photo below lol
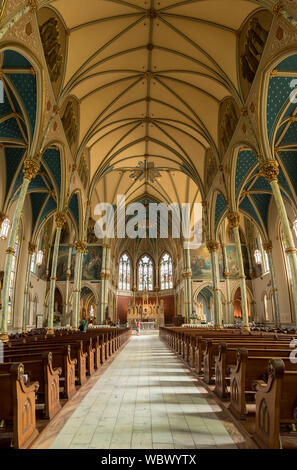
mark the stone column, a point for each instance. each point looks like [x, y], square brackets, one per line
[102, 275]
[105, 275]
[31, 251]
[66, 321]
[230, 315]
[60, 221]
[269, 169]
[80, 248]
[187, 275]
[234, 219]
[268, 248]
[212, 246]
[31, 168]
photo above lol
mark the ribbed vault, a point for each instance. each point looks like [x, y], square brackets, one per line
[150, 77]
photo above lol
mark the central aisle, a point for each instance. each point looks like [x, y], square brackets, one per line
[145, 399]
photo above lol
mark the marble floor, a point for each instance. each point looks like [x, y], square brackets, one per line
[147, 399]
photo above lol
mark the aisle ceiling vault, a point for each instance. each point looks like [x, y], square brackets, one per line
[150, 76]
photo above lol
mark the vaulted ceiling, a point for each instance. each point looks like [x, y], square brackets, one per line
[150, 76]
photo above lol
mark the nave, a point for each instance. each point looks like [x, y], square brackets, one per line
[146, 399]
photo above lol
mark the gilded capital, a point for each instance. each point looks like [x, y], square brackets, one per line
[233, 219]
[31, 168]
[31, 248]
[269, 169]
[60, 219]
[267, 246]
[212, 246]
[80, 247]
[277, 8]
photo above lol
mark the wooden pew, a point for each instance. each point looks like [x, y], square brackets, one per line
[276, 404]
[17, 404]
[42, 371]
[242, 376]
[61, 358]
[212, 349]
[227, 356]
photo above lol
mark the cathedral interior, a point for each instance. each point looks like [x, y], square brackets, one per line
[162, 102]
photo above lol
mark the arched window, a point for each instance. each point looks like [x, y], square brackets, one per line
[145, 273]
[166, 272]
[125, 272]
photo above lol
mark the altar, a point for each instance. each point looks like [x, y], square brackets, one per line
[146, 312]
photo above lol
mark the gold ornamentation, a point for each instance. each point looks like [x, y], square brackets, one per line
[31, 248]
[291, 251]
[31, 168]
[60, 219]
[4, 337]
[269, 169]
[267, 246]
[234, 219]
[33, 5]
[105, 275]
[53, 278]
[212, 246]
[80, 247]
[277, 8]
[10, 251]
[151, 13]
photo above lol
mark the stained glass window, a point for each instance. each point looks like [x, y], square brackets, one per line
[125, 272]
[33, 263]
[145, 273]
[166, 272]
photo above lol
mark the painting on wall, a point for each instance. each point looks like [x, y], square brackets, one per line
[63, 263]
[92, 263]
[41, 270]
[201, 263]
[232, 261]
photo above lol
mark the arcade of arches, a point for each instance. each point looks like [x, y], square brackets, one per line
[172, 103]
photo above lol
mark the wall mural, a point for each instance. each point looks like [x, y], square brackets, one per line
[252, 41]
[70, 121]
[53, 38]
[92, 263]
[228, 119]
[211, 168]
[201, 263]
[63, 263]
